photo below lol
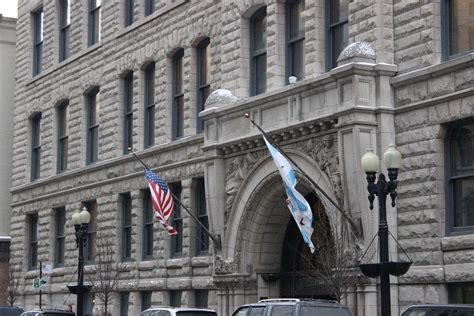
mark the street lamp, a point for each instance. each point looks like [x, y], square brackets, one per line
[80, 220]
[370, 164]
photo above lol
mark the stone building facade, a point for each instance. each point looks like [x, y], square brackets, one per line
[97, 78]
[7, 86]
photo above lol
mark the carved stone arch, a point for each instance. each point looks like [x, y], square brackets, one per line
[249, 7]
[262, 179]
[34, 107]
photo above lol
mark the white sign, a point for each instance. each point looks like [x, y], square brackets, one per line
[46, 268]
[39, 284]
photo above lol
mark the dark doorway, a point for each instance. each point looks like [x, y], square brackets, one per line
[297, 260]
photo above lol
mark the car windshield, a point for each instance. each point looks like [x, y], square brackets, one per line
[155, 313]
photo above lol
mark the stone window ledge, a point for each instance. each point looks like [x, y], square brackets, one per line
[452, 243]
[203, 261]
[177, 262]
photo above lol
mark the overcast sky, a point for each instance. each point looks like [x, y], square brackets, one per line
[8, 8]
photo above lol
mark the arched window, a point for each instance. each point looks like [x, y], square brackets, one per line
[128, 112]
[337, 30]
[63, 137]
[149, 105]
[93, 110]
[35, 146]
[258, 52]
[64, 26]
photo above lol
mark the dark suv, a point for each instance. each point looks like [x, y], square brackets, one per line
[293, 307]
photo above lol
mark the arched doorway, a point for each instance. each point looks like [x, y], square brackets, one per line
[298, 264]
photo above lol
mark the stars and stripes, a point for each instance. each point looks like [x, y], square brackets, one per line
[162, 200]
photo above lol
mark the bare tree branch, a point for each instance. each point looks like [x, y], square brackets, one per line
[12, 289]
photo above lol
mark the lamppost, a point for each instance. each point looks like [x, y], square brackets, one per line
[80, 220]
[370, 164]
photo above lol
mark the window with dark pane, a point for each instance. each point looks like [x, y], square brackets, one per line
[175, 298]
[93, 109]
[128, 12]
[60, 233]
[35, 146]
[146, 299]
[202, 239]
[63, 137]
[177, 222]
[37, 41]
[124, 303]
[149, 7]
[338, 30]
[128, 112]
[148, 216]
[64, 28]
[90, 249]
[32, 220]
[458, 27]
[94, 21]
[178, 96]
[126, 226]
[258, 52]
[295, 35]
[203, 75]
[461, 176]
[461, 293]
[201, 298]
[150, 105]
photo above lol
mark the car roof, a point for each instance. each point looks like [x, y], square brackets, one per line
[315, 302]
[180, 309]
[459, 306]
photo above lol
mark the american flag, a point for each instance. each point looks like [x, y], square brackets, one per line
[162, 200]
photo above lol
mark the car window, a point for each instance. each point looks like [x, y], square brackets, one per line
[465, 313]
[308, 310]
[440, 312]
[282, 310]
[417, 312]
[241, 311]
[159, 312]
[196, 313]
[256, 311]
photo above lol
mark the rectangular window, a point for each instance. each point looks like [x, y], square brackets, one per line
[146, 299]
[177, 222]
[258, 52]
[128, 113]
[35, 146]
[32, 220]
[149, 7]
[124, 299]
[295, 39]
[337, 30]
[458, 27]
[128, 12]
[90, 249]
[126, 226]
[93, 109]
[175, 298]
[148, 216]
[64, 26]
[202, 239]
[63, 137]
[203, 76]
[201, 298]
[460, 176]
[178, 96]
[150, 105]
[94, 21]
[60, 232]
[37, 41]
[461, 293]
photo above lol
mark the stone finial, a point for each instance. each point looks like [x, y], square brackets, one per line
[357, 52]
[219, 98]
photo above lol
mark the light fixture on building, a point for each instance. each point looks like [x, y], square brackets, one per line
[80, 220]
[292, 79]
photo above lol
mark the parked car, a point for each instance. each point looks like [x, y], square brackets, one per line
[48, 312]
[293, 307]
[440, 310]
[10, 311]
[178, 311]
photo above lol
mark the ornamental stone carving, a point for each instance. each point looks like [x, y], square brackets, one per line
[357, 52]
[223, 266]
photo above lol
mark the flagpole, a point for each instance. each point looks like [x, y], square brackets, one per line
[215, 239]
[270, 140]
